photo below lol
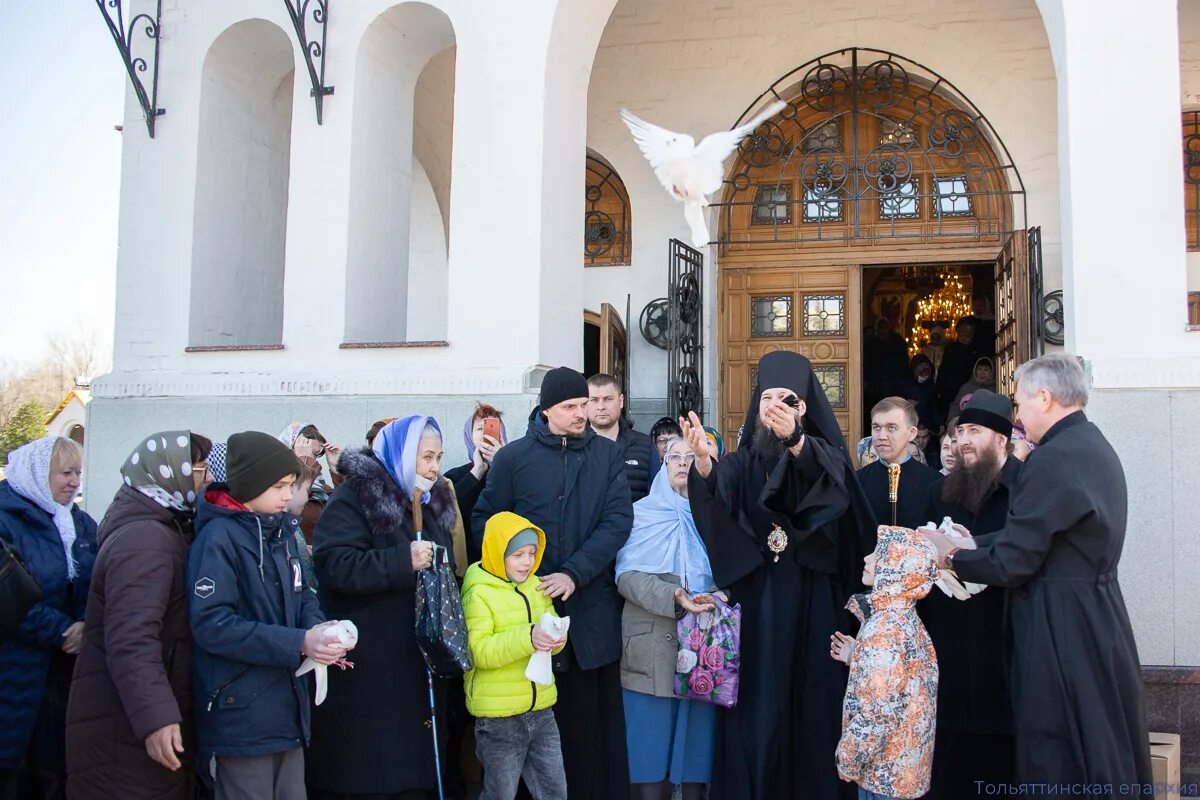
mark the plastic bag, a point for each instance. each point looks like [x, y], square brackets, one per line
[441, 624]
[539, 669]
[709, 656]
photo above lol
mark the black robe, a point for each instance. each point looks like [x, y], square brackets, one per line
[1078, 709]
[780, 739]
[974, 720]
[911, 499]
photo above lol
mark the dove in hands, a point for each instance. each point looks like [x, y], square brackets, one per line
[342, 635]
[689, 171]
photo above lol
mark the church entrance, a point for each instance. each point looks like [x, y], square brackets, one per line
[877, 188]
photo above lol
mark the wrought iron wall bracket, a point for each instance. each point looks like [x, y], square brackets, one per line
[136, 66]
[302, 13]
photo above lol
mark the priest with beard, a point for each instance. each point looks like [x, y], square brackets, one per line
[786, 527]
[974, 716]
[893, 428]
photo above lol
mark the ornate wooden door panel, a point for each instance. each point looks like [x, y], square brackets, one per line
[1013, 312]
[809, 310]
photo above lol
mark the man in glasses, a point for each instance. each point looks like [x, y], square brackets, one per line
[786, 526]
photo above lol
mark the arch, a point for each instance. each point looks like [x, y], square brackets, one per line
[870, 145]
[607, 218]
[242, 174]
[390, 66]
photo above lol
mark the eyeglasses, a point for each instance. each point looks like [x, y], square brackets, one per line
[680, 458]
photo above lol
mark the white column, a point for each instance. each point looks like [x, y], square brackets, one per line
[1124, 251]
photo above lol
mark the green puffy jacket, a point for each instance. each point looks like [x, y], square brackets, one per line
[500, 617]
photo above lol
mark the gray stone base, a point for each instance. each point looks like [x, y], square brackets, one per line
[1173, 704]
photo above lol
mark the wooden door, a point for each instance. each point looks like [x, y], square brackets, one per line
[614, 348]
[1014, 344]
[811, 310]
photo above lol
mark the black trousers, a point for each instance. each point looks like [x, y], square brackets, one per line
[961, 759]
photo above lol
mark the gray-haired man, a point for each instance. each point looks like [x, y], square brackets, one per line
[1078, 710]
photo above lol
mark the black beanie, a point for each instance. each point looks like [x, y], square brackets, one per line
[990, 410]
[560, 384]
[255, 461]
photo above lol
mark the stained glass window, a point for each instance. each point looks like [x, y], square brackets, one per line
[828, 135]
[771, 316]
[822, 207]
[904, 203]
[953, 196]
[894, 131]
[772, 204]
[824, 315]
[833, 380]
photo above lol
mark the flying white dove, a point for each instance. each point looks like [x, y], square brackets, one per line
[342, 632]
[689, 171]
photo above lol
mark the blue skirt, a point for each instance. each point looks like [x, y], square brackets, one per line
[669, 738]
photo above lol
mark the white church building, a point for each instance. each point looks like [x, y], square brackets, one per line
[343, 210]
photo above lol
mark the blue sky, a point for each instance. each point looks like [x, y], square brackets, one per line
[61, 94]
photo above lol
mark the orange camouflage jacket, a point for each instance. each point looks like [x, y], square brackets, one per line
[890, 711]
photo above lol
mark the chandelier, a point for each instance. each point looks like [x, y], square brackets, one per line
[945, 306]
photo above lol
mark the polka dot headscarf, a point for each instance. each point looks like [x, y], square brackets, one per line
[161, 469]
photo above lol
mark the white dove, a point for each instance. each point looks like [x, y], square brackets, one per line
[344, 633]
[689, 171]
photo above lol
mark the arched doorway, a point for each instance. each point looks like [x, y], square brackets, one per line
[877, 183]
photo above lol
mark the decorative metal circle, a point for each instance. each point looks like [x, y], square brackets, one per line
[741, 181]
[789, 111]
[593, 194]
[599, 233]
[825, 87]
[950, 133]
[1053, 318]
[824, 171]
[687, 344]
[688, 297]
[887, 168]
[687, 390]
[1191, 161]
[883, 83]
[655, 323]
[763, 147]
[923, 104]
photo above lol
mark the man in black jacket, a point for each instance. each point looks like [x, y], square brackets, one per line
[571, 483]
[606, 413]
[974, 714]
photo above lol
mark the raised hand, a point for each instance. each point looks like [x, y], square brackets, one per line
[697, 441]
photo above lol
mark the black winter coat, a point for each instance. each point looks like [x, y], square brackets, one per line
[371, 736]
[134, 673]
[1078, 706]
[636, 449]
[575, 490]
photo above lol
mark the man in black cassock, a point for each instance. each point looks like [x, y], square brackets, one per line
[1078, 708]
[786, 527]
[974, 713]
[893, 428]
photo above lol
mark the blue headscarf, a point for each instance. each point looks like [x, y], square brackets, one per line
[470, 440]
[396, 445]
[664, 538]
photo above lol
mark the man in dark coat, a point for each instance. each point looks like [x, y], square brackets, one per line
[1078, 710]
[974, 725]
[786, 527]
[606, 415]
[958, 362]
[919, 387]
[893, 428]
[571, 483]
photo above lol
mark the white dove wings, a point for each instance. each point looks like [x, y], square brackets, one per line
[689, 171]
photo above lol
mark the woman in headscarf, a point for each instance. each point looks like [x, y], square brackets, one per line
[470, 478]
[983, 376]
[371, 737]
[57, 541]
[129, 720]
[663, 563]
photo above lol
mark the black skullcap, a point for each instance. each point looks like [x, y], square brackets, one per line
[990, 410]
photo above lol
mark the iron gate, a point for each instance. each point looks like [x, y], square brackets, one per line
[685, 349]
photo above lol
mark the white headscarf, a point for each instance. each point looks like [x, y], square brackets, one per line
[28, 473]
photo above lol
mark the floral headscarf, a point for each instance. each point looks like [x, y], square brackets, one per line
[161, 468]
[396, 445]
[291, 433]
[28, 473]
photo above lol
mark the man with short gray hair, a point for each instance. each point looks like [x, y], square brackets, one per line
[1078, 710]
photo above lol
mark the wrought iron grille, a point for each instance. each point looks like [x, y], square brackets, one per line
[685, 354]
[607, 237]
[871, 145]
[1037, 332]
[1191, 176]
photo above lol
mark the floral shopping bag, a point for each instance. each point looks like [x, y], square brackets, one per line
[709, 655]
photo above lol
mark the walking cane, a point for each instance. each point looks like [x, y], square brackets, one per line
[893, 488]
[418, 525]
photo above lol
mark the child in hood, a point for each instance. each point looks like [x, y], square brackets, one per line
[515, 732]
[888, 719]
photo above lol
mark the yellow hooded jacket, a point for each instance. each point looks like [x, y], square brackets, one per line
[500, 615]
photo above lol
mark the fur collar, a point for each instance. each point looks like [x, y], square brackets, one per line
[384, 503]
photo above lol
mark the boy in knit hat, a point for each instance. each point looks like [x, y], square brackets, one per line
[516, 735]
[253, 622]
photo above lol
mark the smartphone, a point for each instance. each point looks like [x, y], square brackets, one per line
[791, 400]
[491, 427]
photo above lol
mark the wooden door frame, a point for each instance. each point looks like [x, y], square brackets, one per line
[855, 259]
